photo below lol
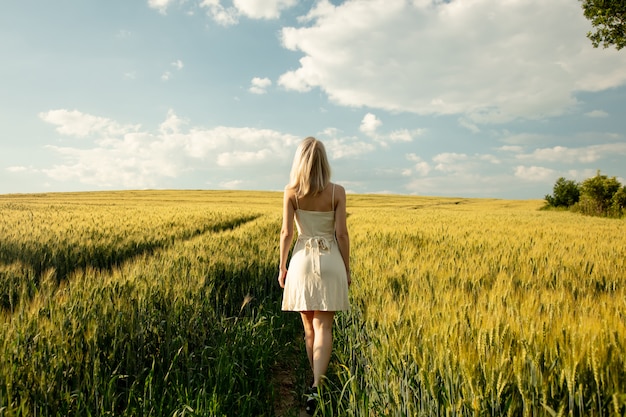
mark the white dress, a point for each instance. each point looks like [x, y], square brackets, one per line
[316, 275]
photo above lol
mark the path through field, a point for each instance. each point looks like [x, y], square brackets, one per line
[287, 402]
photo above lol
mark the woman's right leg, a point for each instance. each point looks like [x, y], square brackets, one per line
[318, 339]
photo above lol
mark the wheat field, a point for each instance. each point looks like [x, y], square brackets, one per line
[165, 303]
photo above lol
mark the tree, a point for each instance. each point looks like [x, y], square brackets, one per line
[597, 194]
[618, 204]
[608, 17]
[565, 193]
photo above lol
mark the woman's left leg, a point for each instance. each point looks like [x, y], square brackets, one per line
[322, 344]
[309, 334]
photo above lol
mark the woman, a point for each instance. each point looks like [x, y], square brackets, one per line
[316, 283]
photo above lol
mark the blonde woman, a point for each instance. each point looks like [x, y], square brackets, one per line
[316, 282]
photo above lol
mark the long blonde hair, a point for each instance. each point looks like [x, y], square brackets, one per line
[310, 172]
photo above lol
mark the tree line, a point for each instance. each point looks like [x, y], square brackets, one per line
[596, 196]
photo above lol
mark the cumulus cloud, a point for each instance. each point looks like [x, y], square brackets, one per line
[459, 184]
[421, 167]
[259, 85]
[252, 9]
[490, 61]
[586, 154]
[129, 157]
[76, 123]
[16, 169]
[370, 124]
[263, 9]
[160, 5]
[452, 173]
[347, 147]
[236, 158]
[597, 114]
[534, 173]
[221, 15]
[178, 64]
[232, 185]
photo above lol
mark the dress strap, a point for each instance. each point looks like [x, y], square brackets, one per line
[333, 199]
[297, 205]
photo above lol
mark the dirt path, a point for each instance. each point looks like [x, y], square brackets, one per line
[287, 403]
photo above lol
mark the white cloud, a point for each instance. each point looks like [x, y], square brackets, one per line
[172, 123]
[580, 174]
[123, 34]
[511, 148]
[421, 167]
[166, 76]
[369, 124]
[586, 154]
[222, 15]
[534, 173]
[121, 157]
[262, 9]
[259, 85]
[76, 123]
[597, 114]
[403, 135]
[252, 9]
[339, 148]
[413, 157]
[490, 60]
[16, 169]
[471, 126]
[525, 138]
[236, 158]
[232, 185]
[490, 158]
[450, 158]
[160, 5]
[178, 64]
[461, 184]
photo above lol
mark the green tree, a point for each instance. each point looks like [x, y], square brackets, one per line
[618, 204]
[608, 17]
[565, 193]
[597, 194]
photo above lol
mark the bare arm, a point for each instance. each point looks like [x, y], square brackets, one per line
[286, 236]
[341, 229]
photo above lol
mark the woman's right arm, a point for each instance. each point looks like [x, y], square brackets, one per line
[286, 236]
[341, 229]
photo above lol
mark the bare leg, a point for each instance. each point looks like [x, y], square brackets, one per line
[309, 333]
[322, 343]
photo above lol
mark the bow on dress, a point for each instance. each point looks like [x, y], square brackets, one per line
[316, 245]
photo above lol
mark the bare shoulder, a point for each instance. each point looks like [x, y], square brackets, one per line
[289, 191]
[289, 195]
[339, 190]
[340, 194]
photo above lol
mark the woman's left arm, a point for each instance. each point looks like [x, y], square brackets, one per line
[286, 236]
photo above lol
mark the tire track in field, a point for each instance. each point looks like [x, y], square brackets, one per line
[40, 259]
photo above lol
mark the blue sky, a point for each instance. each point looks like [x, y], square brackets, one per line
[469, 98]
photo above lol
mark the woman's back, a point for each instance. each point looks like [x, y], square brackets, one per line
[324, 201]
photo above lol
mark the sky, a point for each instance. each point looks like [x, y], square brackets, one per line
[459, 98]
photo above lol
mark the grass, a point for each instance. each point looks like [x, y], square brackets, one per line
[159, 303]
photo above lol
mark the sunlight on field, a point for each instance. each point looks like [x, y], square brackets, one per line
[131, 303]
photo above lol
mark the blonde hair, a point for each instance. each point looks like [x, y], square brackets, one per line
[310, 172]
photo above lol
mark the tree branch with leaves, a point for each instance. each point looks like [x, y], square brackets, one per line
[608, 17]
